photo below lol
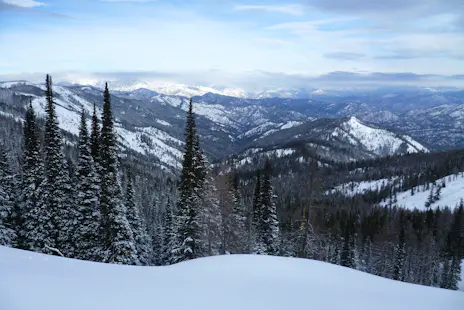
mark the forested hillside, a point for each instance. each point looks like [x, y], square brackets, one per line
[331, 190]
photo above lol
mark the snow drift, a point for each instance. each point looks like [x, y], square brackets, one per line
[31, 281]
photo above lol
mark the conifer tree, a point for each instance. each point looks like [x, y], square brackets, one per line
[257, 200]
[143, 243]
[34, 218]
[168, 234]
[188, 225]
[400, 254]
[453, 252]
[56, 183]
[256, 245]
[7, 232]
[237, 229]
[209, 209]
[88, 228]
[95, 137]
[118, 238]
[268, 227]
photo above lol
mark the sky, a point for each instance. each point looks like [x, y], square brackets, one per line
[243, 43]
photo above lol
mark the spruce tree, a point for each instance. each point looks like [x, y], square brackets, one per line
[237, 230]
[88, 228]
[453, 252]
[168, 234]
[118, 238]
[256, 245]
[210, 212]
[95, 137]
[34, 218]
[7, 232]
[400, 255]
[143, 243]
[268, 228]
[188, 225]
[56, 183]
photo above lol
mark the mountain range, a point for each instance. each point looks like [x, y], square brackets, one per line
[335, 126]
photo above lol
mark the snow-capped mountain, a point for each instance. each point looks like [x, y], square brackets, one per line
[179, 89]
[151, 123]
[339, 140]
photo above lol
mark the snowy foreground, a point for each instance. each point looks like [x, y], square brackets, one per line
[31, 281]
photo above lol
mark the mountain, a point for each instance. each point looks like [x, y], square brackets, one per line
[335, 127]
[275, 282]
[340, 140]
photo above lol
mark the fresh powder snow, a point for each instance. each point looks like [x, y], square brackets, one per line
[32, 281]
[450, 195]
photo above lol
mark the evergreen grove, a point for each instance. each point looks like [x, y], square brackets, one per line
[88, 207]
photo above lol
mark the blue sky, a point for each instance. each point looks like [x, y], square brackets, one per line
[250, 42]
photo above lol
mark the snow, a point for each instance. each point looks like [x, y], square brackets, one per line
[357, 188]
[69, 120]
[277, 153]
[291, 124]
[32, 281]
[450, 195]
[9, 115]
[374, 139]
[15, 83]
[164, 123]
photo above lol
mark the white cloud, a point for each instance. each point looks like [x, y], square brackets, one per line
[24, 3]
[292, 9]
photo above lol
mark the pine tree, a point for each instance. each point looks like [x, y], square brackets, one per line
[33, 218]
[268, 228]
[400, 255]
[188, 225]
[237, 230]
[453, 252]
[429, 201]
[210, 212]
[95, 137]
[56, 183]
[88, 229]
[118, 239]
[437, 194]
[255, 245]
[143, 243]
[7, 232]
[168, 235]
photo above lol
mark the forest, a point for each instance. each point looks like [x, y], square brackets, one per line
[88, 201]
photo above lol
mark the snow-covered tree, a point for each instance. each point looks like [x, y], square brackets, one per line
[268, 227]
[88, 222]
[35, 219]
[210, 212]
[168, 235]
[188, 221]
[7, 232]
[56, 186]
[118, 239]
[400, 252]
[237, 231]
[143, 242]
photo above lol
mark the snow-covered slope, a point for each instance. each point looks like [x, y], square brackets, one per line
[32, 281]
[450, 195]
[376, 140]
[144, 140]
[359, 188]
